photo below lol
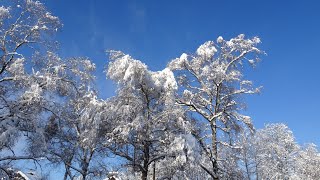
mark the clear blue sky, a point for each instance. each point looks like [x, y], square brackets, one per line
[158, 31]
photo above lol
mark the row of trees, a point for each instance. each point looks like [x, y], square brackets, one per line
[184, 122]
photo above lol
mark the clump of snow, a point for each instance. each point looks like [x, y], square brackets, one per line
[251, 61]
[34, 3]
[51, 17]
[241, 36]
[220, 39]
[256, 40]
[44, 27]
[36, 27]
[246, 82]
[124, 69]
[187, 95]
[89, 65]
[246, 119]
[17, 67]
[59, 68]
[183, 57]
[185, 146]
[207, 49]
[23, 175]
[164, 80]
[33, 94]
[178, 63]
[230, 43]
[4, 12]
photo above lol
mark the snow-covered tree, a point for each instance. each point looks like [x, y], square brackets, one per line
[308, 162]
[77, 143]
[72, 133]
[273, 153]
[247, 156]
[35, 82]
[25, 31]
[276, 152]
[211, 83]
[145, 112]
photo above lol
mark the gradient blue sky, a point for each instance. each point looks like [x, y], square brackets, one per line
[158, 31]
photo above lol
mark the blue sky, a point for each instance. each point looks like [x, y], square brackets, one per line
[158, 31]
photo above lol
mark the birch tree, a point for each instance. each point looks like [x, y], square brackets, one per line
[211, 83]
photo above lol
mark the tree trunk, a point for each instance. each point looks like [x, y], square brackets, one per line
[214, 150]
[213, 124]
[154, 170]
[144, 175]
[146, 152]
[68, 173]
[84, 175]
[246, 163]
[84, 169]
[65, 175]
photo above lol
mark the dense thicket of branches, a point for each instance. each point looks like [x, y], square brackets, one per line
[183, 122]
